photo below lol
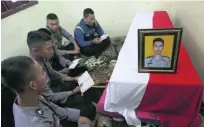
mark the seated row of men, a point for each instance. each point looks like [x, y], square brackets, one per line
[87, 36]
[48, 96]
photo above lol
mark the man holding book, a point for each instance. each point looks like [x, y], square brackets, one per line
[90, 36]
[65, 87]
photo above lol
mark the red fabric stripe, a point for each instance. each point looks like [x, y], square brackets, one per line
[175, 98]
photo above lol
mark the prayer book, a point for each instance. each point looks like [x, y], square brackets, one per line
[85, 81]
[74, 63]
[104, 36]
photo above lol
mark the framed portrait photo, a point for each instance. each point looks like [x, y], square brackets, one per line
[158, 50]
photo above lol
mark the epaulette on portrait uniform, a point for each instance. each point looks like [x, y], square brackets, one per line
[149, 57]
[165, 57]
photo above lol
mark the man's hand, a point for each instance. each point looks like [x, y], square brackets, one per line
[68, 63]
[96, 40]
[83, 120]
[72, 51]
[77, 89]
[76, 78]
[75, 51]
[72, 78]
[77, 48]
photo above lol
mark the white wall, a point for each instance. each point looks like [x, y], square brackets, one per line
[115, 18]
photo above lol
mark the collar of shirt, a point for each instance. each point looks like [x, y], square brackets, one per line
[157, 58]
[84, 24]
[58, 31]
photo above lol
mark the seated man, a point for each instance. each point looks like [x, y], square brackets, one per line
[57, 33]
[41, 49]
[26, 78]
[88, 33]
[59, 63]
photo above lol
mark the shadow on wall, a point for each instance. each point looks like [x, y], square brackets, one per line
[191, 43]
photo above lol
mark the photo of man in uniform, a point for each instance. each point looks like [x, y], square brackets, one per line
[158, 60]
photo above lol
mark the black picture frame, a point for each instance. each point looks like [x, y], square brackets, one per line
[142, 64]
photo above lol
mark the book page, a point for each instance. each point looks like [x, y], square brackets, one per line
[104, 36]
[85, 81]
[74, 63]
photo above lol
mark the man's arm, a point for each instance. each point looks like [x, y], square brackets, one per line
[168, 62]
[63, 113]
[42, 122]
[80, 38]
[146, 62]
[64, 62]
[99, 30]
[60, 97]
[57, 75]
[69, 37]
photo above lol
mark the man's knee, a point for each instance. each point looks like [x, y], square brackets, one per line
[88, 51]
[88, 111]
[107, 41]
[67, 86]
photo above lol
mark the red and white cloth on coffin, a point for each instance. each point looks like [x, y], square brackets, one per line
[174, 98]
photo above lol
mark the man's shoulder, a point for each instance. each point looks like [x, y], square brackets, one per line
[79, 27]
[149, 58]
[165, 57]
[80, 23]
[33, 121]
[27, 116]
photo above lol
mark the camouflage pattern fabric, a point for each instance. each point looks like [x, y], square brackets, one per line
[101, 69]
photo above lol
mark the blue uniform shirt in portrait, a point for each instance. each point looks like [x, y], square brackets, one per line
[161, 62]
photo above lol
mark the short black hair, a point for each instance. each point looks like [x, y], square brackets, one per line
[37, 38]
[17, 72]
[52, 16]
[46, 31]
[87, 11]
[158, 39]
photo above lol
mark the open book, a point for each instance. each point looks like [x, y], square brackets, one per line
[74, 63]
[104, 36]
[85, 81]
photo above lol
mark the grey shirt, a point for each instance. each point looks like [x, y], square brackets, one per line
[64, 62]
[57, 41]
[46, 115]
[161, 62]
[51, 73]
[59, 97]
[57, 36]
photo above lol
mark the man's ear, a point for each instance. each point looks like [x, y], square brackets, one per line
[35, 50]
[32, 85]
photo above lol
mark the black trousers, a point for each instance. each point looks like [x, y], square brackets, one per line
[84, 104]
[96, 49]
[69, 46]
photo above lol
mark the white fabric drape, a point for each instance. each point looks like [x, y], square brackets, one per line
[127, 87]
